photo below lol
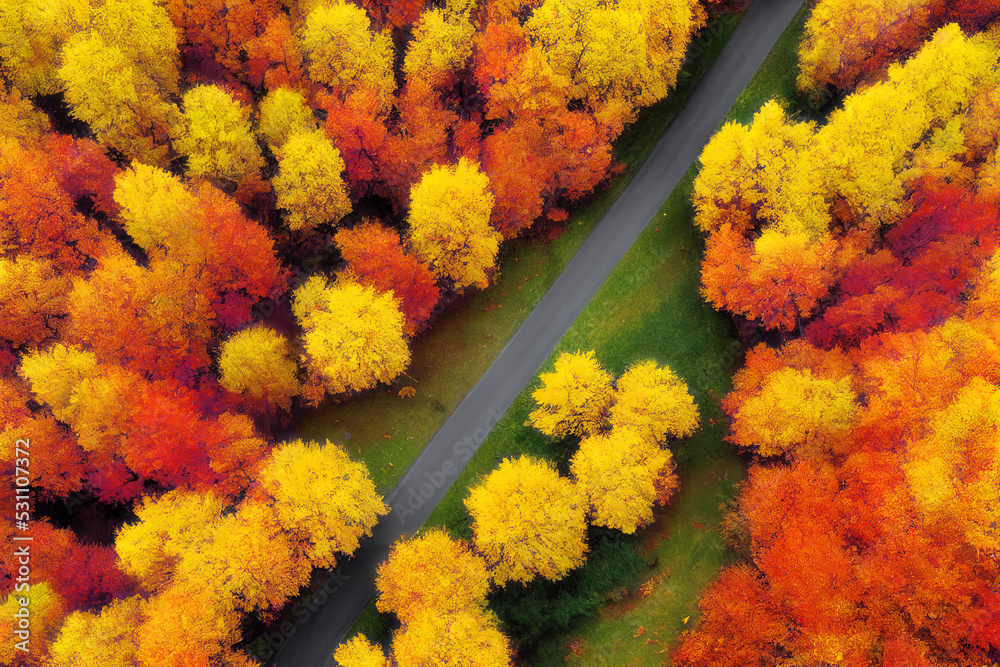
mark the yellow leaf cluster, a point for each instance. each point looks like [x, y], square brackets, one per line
[796, 412]
[654, 402]
[125, 108]
[441, 44]
[309, 185]
[359, 652]
[256, 362]
[529, 521]
[343, 52]
[217, 139]
[450, 224]
[46, 611]
[574, 398]
[353, 337]
[464, 639]
[762, 174]
[32, 300]
[167, 528]
[629, 50]
[109, 637]
[284, 112]
[31, 36]
[619, 472]
[431, 574]
[321, 498]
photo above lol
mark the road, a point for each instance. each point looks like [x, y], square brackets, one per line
[326, 617]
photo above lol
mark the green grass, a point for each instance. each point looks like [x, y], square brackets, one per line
[387, 432]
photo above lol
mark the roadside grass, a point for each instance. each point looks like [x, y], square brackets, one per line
[387, 432]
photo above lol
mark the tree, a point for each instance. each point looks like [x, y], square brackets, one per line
[431, 575]
[142, 29]
[109, 637]
[465, 638]
[623, 474]
[37, 215]
[449, 224]
[528, 521]
[628, 51]
[739, 624]
[217, 139]
[204, 253]
[31, 35]
[126, 109]
[256, 363]
[762, 175]
[323, 501]
[655, 402]
[248, 562]
[309, 185]
[375, 257]
[343, 52]
[166, 529]
[32, 300]
[353, 335]
[442, 43]
[846, 40]
[574, 398]
[360, 652]
[796, 413]
[284, 112]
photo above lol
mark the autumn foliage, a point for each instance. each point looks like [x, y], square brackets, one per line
[868, 522]
[214, 213]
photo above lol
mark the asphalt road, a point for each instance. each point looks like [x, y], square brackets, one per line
[324, 619]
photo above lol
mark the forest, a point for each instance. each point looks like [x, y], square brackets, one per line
[218, 215]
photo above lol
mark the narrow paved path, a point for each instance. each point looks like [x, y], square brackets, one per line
[323, 620]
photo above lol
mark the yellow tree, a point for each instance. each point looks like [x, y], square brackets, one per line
[249, 560]
[353, 337]
[109, 637]
[623, 474]
[55, 374]
[954, 472]
[257, 364]
[343, 52]
[845, 39]
[629, 50]
[431, 574]
[450, 224]
[360, 652]
[167, 528]
[528, 521]
[126, 109]
[796, 412]
[142, 29]
[466, 639]
[309, 185]
[324, 501]
[762, 174]
[442, 43]
[574, 398]
[31, 36]
[217, 139]
[283, 112]
[654, 402]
